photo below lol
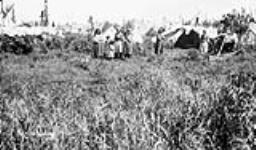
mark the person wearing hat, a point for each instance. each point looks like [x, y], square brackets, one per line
[159, 41]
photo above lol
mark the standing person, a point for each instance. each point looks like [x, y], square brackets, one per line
[159, 41]
[204, 42]
[119, 43]
[128, 45]
[98, 43]
[110, 48]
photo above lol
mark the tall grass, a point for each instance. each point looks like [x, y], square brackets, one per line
[164, 102]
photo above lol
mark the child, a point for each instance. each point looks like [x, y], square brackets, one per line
[109, 45]
[111, 50]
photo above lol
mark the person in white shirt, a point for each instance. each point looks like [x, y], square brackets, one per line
[229, 42]
[204, 43]
[119, 43]
[110, 48]
[98, 42]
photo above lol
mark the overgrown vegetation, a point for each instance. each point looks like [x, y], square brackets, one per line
[61, 101]
[57, 97]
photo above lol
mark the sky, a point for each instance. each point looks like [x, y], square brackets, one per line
[62, 11]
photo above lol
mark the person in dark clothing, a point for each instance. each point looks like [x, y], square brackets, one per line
[197, 21]
[53, 24]
[159, 45]
[128, 48]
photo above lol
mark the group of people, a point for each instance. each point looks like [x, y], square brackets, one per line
[225, 41]
[120, 47]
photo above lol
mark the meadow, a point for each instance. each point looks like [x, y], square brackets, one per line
[64, 99]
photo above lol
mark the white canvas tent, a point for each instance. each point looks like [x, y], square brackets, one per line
[249, 38]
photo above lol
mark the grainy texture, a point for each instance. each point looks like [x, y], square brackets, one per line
[175, 101]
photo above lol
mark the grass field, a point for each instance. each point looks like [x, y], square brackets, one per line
[177, 101]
